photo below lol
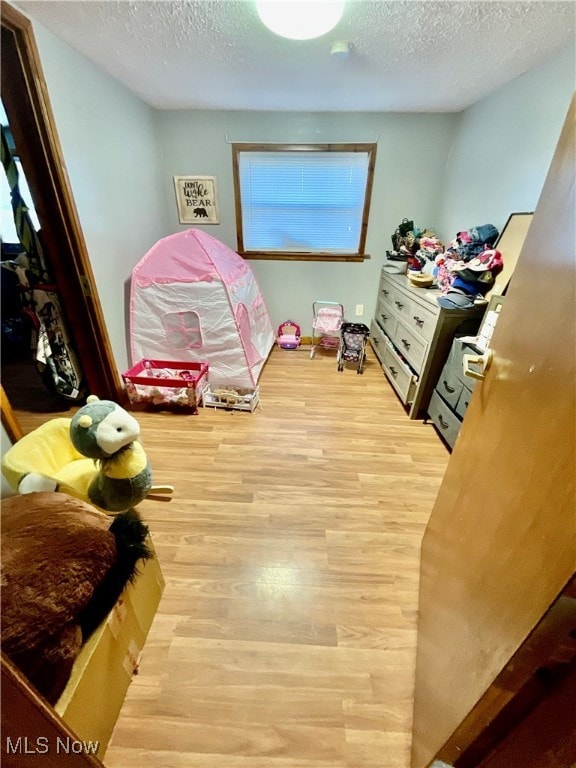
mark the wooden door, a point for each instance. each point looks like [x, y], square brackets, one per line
[500, 544]
[33, 734]
[25, 98]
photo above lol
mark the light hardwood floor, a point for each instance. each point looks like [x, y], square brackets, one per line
[286, 634]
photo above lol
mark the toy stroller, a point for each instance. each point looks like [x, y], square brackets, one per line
[327, 320]
[288, 336]
[352, 349]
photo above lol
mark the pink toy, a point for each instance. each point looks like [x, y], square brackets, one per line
[288, 335]
[161, 382]
[194, 299]
[328, 317]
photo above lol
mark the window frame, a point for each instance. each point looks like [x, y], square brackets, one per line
[361, 255]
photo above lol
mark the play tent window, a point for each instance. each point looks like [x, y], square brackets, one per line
[306, 202]
[183, 329]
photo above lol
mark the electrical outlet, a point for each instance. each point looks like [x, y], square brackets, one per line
[359, 310]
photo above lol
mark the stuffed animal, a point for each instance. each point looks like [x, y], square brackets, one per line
[64, 565]
[114, 477]
[104, 431]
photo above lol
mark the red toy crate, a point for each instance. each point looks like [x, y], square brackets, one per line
[166, 383]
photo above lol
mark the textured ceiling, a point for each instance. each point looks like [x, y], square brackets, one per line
[406, 55]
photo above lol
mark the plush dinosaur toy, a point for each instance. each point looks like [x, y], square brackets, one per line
[104, 431]
[95, 456]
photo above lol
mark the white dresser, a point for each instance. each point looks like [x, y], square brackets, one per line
[452, 393]
[411, 336]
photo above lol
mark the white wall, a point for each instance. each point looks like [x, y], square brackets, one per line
[504, 145]
[445, 171]
[411, 158]
[112, 157]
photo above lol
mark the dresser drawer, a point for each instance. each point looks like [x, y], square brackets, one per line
[446, 422]
[400, 302]
[378, 340]
[385, 290]
[449, 388]
[422, 320]
[419, 318]
[463, 401]
[399, 374]
[385, 318]
[410, 345]
[450, 384]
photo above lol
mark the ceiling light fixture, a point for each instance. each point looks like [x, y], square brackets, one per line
[300, 19]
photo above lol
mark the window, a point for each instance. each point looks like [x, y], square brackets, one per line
[303, 201]
[183, 329]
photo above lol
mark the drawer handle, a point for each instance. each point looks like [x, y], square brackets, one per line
[483, 361]
[384, 318]
[393, 371]
[447, 388]
[418, 320]
[406, 343]
[443, 424]
[375, 340]
[399, 304]
[384, 292]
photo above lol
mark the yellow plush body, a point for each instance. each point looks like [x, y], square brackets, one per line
[47, 460]
[48, 451]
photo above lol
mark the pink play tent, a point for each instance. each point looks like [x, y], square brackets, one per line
[194, 299]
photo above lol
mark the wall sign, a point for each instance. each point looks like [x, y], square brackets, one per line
[196, 199]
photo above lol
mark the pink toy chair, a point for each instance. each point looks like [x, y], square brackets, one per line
[288, 335]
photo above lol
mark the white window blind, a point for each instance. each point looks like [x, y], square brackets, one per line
[302, 201]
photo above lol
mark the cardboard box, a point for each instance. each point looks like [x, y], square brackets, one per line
[91, 702]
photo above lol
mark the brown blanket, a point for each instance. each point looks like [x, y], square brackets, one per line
[57, 552]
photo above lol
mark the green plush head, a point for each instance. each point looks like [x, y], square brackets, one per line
[101, 428]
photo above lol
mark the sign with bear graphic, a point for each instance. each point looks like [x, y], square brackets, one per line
[196, 199]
